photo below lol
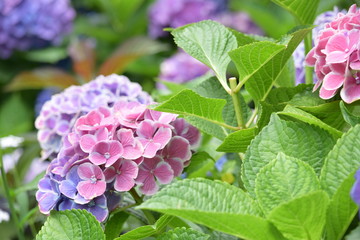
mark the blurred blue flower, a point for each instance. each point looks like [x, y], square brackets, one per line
[28, 24]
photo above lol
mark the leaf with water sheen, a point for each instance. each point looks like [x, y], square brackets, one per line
[209, 42]
[282, 180]
[214, 204]
[295, 139]
[72, 224]
[303, 217]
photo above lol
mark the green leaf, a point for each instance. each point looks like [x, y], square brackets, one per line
[349, 116]
[308, 118]
[48, 55]
[209, 42]
[251, 57]
[214, 204]
[342, 210]
[41, 78]
[148, 230]
[242, 38]
[295, 139]
[303, 10]
[201, 163]
[129, 51]
[71, 224]
[183, 234]
[303, 217]
[260, 83]
[286, 77]
[114, 225]
[341, 161]
[282, 180]
[15, 116]
[238, 141]
[204, 113]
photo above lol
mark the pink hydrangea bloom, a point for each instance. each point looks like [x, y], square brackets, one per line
[112, 150]
[336, 57]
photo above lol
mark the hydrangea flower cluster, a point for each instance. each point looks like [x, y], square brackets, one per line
[299, 56]
[336, 57]
[111, 150]
[26, 24]
[58, 116]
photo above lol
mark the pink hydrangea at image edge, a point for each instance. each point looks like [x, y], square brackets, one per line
[336, 57]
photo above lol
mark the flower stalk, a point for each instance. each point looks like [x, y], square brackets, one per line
[236, 100]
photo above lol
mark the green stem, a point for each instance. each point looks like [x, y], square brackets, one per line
[10, 199]
[138, 200]
[236, 100]
[253, 115]
[308, 70]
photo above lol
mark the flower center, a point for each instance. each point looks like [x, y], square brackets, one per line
[107, 155]
[93, 179]
[346, 50]
[357, 80]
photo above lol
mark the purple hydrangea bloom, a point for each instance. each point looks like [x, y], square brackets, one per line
[111, 150]
[43, 97]
[27, 24]
[57, 116]
[299, 53]
[181, 68]
[170, 13]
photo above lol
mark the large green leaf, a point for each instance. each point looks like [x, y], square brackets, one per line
[204, 113]
[209, 42]
[238, 141]
[341, 161]
[214, 204]
[303, 217]
[201, 163]
[183, 234]
[295, 139]
[303, 10]
[308, 118]
[72, 225]
[349, 117]
[282, 180]
[147, 230]
[341, 211]
[261, 82]
[251, 57]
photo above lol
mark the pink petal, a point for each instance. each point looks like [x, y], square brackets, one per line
[88, 170]
[162, 136]
[327, 94]
[110, 174]
[133, 152]
[129, 168]
[350, 91]
[146, 129]
[337, 43]
[150, 148]
[149, 186]
[333, 81]
[164, 173]
[123, 183]
[310, 58]
[91, 190]
[97, 158]
[355, 65]
[336, 57]
[178, 147]
[125, 136]
[176, 164]
[87, 142]
[339, 68]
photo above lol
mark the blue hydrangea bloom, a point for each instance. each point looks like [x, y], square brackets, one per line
[28, 24]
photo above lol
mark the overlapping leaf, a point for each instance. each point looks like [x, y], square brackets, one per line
[238, 141]
[282, 180]
[183, 234]
[295, 139]
[215, 204]
[303, 10]
[71, 225]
